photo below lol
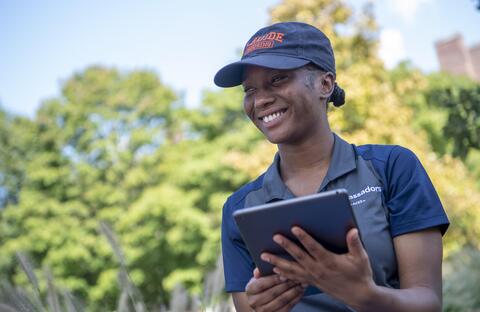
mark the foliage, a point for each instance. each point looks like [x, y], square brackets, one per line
[446, 107]
[461, 283]
[112, 148]
[34, 298]
[15, 133]
[448, 121]
[462, 127]
[42, 294]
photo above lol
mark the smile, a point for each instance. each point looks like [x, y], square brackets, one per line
[272, 116]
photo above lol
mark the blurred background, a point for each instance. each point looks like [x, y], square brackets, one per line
[117, 151]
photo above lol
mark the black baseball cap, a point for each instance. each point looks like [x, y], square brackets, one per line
[287, 45]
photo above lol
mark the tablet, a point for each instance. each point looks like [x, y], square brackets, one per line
[326, 216]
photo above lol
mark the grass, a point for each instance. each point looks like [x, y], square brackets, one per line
[54, 299]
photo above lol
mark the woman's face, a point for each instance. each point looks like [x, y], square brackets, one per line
[285, 105]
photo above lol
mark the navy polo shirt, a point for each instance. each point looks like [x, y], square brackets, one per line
[390, 192]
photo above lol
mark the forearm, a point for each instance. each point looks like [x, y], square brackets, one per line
[422, 299]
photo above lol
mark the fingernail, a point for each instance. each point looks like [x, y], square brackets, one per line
[277, 239]
[282, 278]
[295, 231]
[265, 257]
[357, 235]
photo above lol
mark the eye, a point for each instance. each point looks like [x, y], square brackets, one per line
[248, 90]
[278, 79]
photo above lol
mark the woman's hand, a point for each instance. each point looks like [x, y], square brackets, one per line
[272, 293]
[347, 277]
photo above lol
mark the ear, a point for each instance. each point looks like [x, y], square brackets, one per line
[327, 84]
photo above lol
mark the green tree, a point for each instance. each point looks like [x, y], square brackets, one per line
[462, 127]
[15, 150]
[447, 121]
[119, 147]
[95, 150]
[461, 284]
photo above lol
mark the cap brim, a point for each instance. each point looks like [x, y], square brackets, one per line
[232, 74]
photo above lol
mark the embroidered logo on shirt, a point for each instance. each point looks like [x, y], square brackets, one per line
[366, 190]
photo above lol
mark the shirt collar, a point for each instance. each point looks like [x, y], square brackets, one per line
[273, 184]
[343, 161]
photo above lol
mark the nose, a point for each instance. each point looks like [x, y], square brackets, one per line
[263, 98]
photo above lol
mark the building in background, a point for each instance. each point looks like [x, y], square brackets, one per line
[456, 58]
[475, 56]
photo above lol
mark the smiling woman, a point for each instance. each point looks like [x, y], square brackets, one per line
[269, 102]
[288, 85]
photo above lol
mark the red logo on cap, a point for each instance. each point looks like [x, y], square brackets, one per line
[266, 41]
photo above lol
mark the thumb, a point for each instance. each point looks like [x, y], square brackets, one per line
[354, 243]
[256, 273]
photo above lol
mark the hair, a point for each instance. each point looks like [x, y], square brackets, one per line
[338, 95]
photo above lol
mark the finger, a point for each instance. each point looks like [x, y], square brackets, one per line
[311, 245]
[354, 243]
[265, 297]
[291, 267]
[301, 277]
[300, 255]
[256, 273]
[286, 300]
[257, 285]
[292, 303]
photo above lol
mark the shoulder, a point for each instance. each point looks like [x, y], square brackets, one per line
[410, 196]
[384, 153]
[389, 160]
[233, 203]
[236, 200]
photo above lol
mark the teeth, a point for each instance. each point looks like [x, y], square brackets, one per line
[271, 117]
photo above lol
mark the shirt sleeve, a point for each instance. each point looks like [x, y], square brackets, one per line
[413, 203]
[237, 264]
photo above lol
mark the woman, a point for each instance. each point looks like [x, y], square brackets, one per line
[288, 74]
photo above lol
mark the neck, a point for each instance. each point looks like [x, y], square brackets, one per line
[312, 153]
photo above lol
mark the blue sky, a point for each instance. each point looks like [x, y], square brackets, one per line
[43, 42]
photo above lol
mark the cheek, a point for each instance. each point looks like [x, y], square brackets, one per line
[289, 96]
[248, 108]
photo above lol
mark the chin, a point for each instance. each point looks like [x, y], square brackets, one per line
[279, 135]
[276, 139]
[273, 141]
